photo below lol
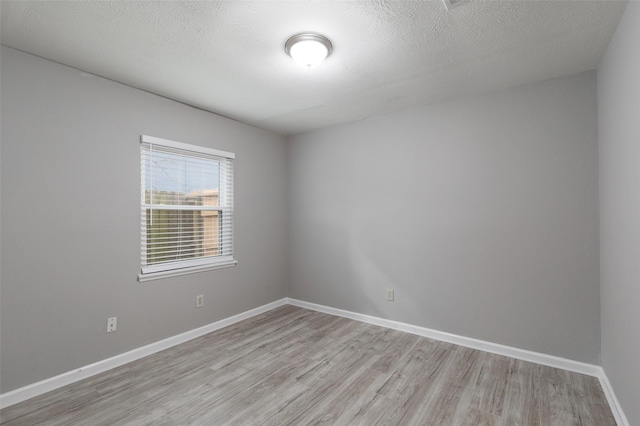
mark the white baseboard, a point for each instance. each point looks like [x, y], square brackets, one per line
[616, 409]
[39, 388]
[522, 354]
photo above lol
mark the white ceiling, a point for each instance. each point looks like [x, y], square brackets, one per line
[228, 56]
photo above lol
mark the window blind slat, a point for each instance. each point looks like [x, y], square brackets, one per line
[181, 206]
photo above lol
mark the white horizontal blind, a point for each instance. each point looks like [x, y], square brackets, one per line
[186, 206]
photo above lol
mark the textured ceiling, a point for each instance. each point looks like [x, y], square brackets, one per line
[228, 56]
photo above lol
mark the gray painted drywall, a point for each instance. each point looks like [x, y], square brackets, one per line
[71, 221]
[619, 144]
[482, 214]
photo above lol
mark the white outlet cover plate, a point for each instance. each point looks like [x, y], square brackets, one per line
[112, 324]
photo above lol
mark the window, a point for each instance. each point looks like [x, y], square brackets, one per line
[186, 208]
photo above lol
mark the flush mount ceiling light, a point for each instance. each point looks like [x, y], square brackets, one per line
[308, 49]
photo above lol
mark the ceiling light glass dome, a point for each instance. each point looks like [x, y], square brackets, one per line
[308, 49]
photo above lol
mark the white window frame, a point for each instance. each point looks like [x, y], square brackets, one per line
[182, 267]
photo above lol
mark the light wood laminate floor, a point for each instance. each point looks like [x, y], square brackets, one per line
[299, 367]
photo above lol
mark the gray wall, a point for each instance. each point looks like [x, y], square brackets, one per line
[482, 214]
[71, 220]
[619, 140]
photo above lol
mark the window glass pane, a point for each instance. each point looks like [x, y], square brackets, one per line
[175, 179]
[174, 235]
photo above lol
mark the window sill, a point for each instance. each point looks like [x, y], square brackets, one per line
[184, 271]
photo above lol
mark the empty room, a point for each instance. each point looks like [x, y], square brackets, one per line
[412, 212]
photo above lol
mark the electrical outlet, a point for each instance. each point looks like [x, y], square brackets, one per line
[390, 294]
[200, 301]
[112, 324]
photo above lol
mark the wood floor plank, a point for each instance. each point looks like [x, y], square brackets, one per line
[391, 357]
[367, 410]
[476, 417]
[342, 398]
[293, 366]
[466, 366]
[49, 405]
[492, 384]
